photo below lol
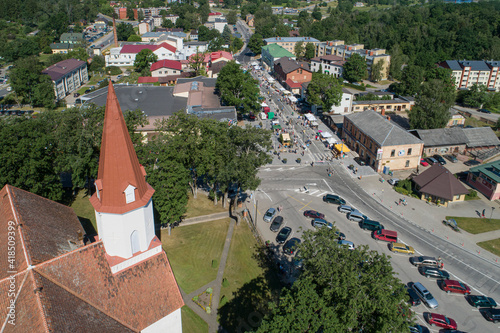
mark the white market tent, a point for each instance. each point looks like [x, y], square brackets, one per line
[331, 141]
[286, 92]
[314, 123]
[270, 79]
[310, 117]
[263, 104]
[292, 99]
[326, 135]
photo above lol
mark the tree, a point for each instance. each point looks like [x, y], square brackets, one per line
[355, 68]
[324, 90]
[376, 72]
[299, 49]
[97, 64]
[237, 88]
[140, 15]
[236, 44]
[227, 35]
[309, 51]
[43, 93]
[316, 14]
[25, 78]
[411, 80]
[432, 104]
[166, 23]
[134, 38]
[231, 17]
[255, 43]
[196, 63]
[340, 290]
[216, 44]
[144, 59]
[205, 34]
[124, 31]
[130, 13]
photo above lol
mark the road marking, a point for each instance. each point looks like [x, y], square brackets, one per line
[332, 190]
[313, 192]
[307, 204]
[319, 195]
[266, 195]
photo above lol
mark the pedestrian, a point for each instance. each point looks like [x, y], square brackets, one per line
[356, 171]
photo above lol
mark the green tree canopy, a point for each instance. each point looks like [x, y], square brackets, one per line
[231, 17]
[134, 38]
[324, 90]
[355, 68]
[299, 49]
[309, 51]
[376, 72]
[411, 80]
[238, 88]
[124, 31]
[144, 59]
[340, 290]
[227, 35]
[432, 104]
[255, 43]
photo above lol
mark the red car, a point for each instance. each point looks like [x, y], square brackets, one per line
[423, 162]
[453, 286]
[314, 214]
[435, 319]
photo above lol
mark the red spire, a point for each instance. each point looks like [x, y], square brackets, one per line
[119, 168]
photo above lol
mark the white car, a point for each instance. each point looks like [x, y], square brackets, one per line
[393, 181]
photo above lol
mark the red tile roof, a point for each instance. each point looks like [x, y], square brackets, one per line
[215, 13]
[293, 84]
[173, 64]
[147, 79]
[118, 165]
[134, 49]
[214, 56]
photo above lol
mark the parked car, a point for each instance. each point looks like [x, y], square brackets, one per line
[298, 260]
[431, 160]
[345, 209]
[335, 199]
[87, 91]
[370, 225]
[401, 248]
[76, 95]
[393, 181]
[484, 110]
[347, 244]
[453, 286]
[356, 216]
[385, 235]
[424, 261]
[451, 158]
[425, 295]
[414, 299]
[440, 159]
[433, 272]
[452, 224]
[277, 222]
[436, 319]
[419, 329]
[314, 214]
[283, 235]
[482, 301]
[423, 162]
[290, 247]
[472, 163]
[268, 216]
[339, 235]
[251, 116]
[491, 314]
[320, 223]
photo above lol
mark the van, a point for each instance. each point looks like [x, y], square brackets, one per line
[385, 235]
[320, 223]
[425, 295]
[356, 216]
[334, 199]
[345, 209]
[371, 225]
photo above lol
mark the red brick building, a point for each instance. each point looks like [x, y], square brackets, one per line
[292, 73]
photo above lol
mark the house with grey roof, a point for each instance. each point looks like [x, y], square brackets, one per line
[381, 143]
[466, 73]
[67, 76]
[72, 37]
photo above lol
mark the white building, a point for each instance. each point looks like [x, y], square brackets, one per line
[125, 55]
[329, 64]
[466, 73]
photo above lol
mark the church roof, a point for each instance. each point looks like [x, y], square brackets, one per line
[118, 165]
[73, 289]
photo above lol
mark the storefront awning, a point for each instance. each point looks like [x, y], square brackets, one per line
[331, 141]
[341, 147]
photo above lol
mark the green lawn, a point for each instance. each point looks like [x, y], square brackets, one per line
[493, 246]
[191, 250]
[84, 210]
[191, 322]
[202, 205]
[475, 225]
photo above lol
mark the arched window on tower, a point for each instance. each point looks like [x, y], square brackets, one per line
[134, 242]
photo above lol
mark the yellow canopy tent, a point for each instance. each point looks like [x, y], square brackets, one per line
[341, 147]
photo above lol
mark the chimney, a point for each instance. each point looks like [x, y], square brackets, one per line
[383, 112]
[114, 31]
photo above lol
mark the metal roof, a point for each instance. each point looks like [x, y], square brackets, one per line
[481, 137]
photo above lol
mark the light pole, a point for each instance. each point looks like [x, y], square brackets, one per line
[492, 209]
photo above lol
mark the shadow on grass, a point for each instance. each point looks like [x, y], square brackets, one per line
[250, 303]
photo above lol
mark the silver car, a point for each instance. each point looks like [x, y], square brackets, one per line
[269, 215]
[425, 295]
[345, 209]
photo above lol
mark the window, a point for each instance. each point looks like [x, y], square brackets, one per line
[393, 153]
[134, 242]
[409, 151]
[407, 163]
[130, 194]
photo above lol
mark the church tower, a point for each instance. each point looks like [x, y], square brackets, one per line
[123, 199]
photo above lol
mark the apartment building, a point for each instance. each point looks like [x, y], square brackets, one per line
[372, 56]
[329, 64]
[67, 76]
[466, 73]
[288, 43]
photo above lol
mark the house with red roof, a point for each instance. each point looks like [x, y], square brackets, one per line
[61, 279]
[213, 61]
[125, 55]
[165, 68]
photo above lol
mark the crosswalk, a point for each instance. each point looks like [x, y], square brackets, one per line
[311, 192]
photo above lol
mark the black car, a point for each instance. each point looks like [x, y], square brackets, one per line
[290, 247]
[283, 235]
[452, 158]
[419, 329]
[481, 301]
[277, 222]
[491, 314]
[335, 199]
[484, 110]
[440, 159]
[433, 272]
[414, 299]
[472, 163]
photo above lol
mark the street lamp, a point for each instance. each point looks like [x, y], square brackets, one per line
[492, 209]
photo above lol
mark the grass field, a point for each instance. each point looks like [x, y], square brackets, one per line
[191, 322]
[84, 210]
[202, 205]
[493, 246]
[191, 250]
[476, 225]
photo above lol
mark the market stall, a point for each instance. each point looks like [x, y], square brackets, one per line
[341, 147]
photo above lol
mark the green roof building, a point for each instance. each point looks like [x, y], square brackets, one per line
[485, 178]
[273, 52]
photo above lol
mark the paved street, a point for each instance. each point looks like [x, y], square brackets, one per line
[418, 224]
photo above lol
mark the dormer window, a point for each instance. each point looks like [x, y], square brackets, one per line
[129, 194]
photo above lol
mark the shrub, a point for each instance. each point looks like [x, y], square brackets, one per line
[215, 264]
[208, 310]
[401, 190]
[195, 298]
[209, 290]
[113, 70]
[223, 300]
[405, 184]
[225, 283]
